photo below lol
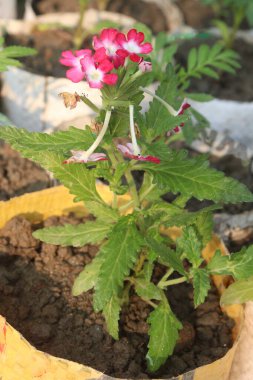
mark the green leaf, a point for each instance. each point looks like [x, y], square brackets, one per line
[205, 60]
[239, 292]
[62, 141]
[119, 254]
[163, 334]
[199, 97]
[192, 59]
[146, 289]
[102, 212]
[158, 118]
[189, 244]
[204, 223]
[201, 285]
[193, 177]
[17, 52]
[74, 235]
[166, 255]
[111, 313]
[76, 177]
[87, 279]
[239, 264]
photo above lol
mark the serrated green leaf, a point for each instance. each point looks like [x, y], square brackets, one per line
[147, 270]
[119, 254]
[239, 292]
[190, 244]
[146, 289]
[102, 212]
[76, 177]
[111, 313]
[158, 117]
[74, 235]
[193, 177]
[86, 280]
[239, 264]
[201, 285]
[61, 141]
[163, 334]
[166, 255]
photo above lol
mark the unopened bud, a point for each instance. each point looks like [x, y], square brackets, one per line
[145, 66]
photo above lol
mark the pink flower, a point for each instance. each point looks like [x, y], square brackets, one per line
[145, 66]
[108, 41]
[133, 45]
[128, 151]
[95, 69]
[68, 58]
[184, 106]
[80, 156]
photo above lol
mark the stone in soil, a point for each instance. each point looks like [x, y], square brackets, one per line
[35, 285]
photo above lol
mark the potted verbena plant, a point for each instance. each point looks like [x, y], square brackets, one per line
[131, 236]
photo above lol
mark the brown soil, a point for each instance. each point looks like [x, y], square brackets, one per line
[232, 87]
[19, 175]
[196, 14]
[35, 288]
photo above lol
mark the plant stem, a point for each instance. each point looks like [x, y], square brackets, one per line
[175, 281]
[90, 104]
[132, 188]
[165, 277]
[165, 104]
[78, 35]
[136, 149]
[101, 134]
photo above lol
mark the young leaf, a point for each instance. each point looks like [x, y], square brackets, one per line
[166, 255]
[102, 212]
[239, 264]
[158, 117]
[146, 289]
[239, 292]
[74, 235]
[111, 313]
[119, 255]
[86, 280]
[163, 334]
[201, 285]
[189, 244]
[193, 177]
[61, 141]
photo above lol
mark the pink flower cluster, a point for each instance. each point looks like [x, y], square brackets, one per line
[112, 48]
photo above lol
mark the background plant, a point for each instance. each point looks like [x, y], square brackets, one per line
[235, 10]
[130, 234]
[202, 61]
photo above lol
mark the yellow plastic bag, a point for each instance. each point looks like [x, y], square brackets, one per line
[20, 361]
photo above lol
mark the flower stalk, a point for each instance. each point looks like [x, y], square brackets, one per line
[100, 137]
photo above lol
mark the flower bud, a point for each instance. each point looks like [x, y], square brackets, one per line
[145, 66]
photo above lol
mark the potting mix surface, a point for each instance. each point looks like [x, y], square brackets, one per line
[35, 287]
